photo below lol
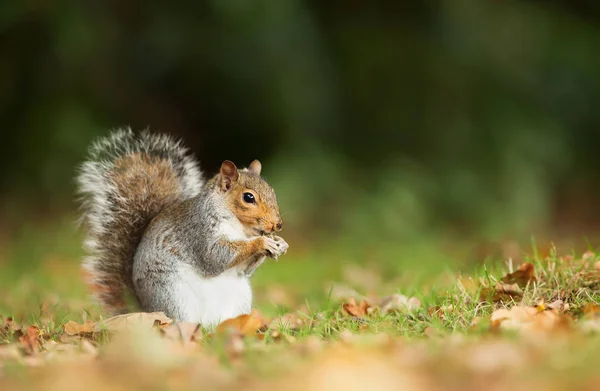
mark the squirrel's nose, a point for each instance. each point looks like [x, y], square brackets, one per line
[279, 225]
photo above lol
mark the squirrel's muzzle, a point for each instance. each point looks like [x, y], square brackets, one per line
[278, 226]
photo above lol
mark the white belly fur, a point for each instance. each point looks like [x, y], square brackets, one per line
[210, 301]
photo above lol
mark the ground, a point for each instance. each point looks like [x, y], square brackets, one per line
[320, 322]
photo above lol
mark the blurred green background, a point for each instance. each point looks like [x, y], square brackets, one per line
[395, 133]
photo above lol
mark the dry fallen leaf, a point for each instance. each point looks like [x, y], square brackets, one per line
[509, 288]
[132, 320]
[31, 341]
[236, 329]
[516, 314]
[355, 309]
[10, 324]
[8, 327]
[556, 305]
[588, 255]
[506, 292]
[527, 319]
[522, 276]
[73, 328]
[246, 325]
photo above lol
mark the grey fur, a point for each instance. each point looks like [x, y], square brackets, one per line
[178, 237]
[152, 220]
[114, 221]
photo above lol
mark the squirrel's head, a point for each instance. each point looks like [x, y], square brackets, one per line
[251, 199]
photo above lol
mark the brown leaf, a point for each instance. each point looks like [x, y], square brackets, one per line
[506, 292]
[74, 328]
[31, 341]
[10, 324]
[9, 327]
[588, 255]
[132, 320]
[246, 325]
[355, 309]
[521, 276]
[516, 314]
[528, 319]
[556, 305]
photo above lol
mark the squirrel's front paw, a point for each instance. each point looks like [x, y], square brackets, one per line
[275, 246]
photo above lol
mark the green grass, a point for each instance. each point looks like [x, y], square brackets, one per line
[40, 285]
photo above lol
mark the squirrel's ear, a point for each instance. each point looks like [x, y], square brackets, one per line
[255, 167]
[229, 174]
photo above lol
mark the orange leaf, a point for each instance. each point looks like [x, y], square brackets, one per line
[30, 341]
[131, 320]
[521, 276]
[247, 324]
[354, 309]
[506, 292]
[73, 328]
[528, 319]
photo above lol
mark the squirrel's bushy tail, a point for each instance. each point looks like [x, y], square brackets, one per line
[126, 181]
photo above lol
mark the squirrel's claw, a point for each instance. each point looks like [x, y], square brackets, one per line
[276, 246]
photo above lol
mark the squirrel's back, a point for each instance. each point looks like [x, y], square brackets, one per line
[126, 181]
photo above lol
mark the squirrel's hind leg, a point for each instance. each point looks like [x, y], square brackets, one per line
[161, 293]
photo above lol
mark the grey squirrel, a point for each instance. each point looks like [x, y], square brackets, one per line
[174, 242]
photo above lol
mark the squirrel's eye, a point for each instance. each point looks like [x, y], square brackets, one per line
[249, 198]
